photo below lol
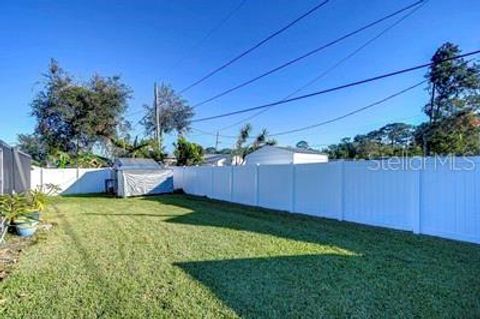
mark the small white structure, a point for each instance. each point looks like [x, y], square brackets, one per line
[141, 176]
[284, 155]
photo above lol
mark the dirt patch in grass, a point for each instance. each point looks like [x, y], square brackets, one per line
[11, 250]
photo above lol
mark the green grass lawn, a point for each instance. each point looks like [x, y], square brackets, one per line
[179, 256]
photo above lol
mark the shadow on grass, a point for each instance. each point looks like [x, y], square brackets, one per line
[389, 273]
[304, 286]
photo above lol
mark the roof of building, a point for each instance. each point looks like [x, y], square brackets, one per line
[136, 163]
[299, 150]
[4, 144]
[213, 158]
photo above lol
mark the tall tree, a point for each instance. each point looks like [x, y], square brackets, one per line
[397, 134]
[454, 85]
[454, 88]
[174, 112]
[33, 145]
[71, 116]
[302, 144]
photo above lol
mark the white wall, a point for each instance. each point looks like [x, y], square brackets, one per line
[305, 158]
[72, 180]
[269, 155]
[436, 200]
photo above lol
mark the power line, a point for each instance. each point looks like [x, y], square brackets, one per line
[331, 68]
[200, 42]
[341, 117]
[312, 52]
[241, 55]
[340, 87]
[335, 119]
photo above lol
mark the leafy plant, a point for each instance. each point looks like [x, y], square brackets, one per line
[38, 198]
[187, 153]
[11, 207]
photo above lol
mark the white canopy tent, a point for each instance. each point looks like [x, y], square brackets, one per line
[141, 176]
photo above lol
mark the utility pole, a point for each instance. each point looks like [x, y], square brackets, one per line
[216, 142]
[157, 115]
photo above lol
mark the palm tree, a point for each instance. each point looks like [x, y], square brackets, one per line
[244, 135]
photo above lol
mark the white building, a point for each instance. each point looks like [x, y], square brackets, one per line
[284, 155]
[216, 160]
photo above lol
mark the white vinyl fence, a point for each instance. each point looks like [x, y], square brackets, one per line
[72, 180]
[439, 197]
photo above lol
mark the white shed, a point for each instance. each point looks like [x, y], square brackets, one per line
[141, 176]
[284, 155]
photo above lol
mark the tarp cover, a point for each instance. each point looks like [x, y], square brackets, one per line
[144, 182]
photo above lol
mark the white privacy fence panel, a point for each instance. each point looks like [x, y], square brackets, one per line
[318, 189]
[450, 205]
[222, 183]
[430, 198]
[275, 186]
[378, 197]
[244, 184]
[189, 177]
[178, 177]
[205, 181]
[72, 180]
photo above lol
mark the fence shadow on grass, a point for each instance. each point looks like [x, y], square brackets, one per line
[306, 286]
[359, 239]
[383, 273]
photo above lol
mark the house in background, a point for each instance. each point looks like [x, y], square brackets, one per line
[217, 160]
[284, 155]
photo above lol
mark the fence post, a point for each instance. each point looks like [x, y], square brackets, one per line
[212, 184]
[183, 178]
[294, 177]
[41, 178]
[257, 185]
[231, 183]
[417, 215]
[342, 191]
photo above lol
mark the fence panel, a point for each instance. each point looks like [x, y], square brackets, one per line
[222, 187]
[318, 189]
[244, 185]
[89, 180]
[275, 189]
[203, 182]
[178, 177]
[189, 178]
[380, 197]
[72, 180]
[438, 200]
[450, 199]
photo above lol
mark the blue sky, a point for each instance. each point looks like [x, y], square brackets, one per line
[143, 41]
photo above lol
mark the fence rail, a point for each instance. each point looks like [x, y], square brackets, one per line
[439, 197]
